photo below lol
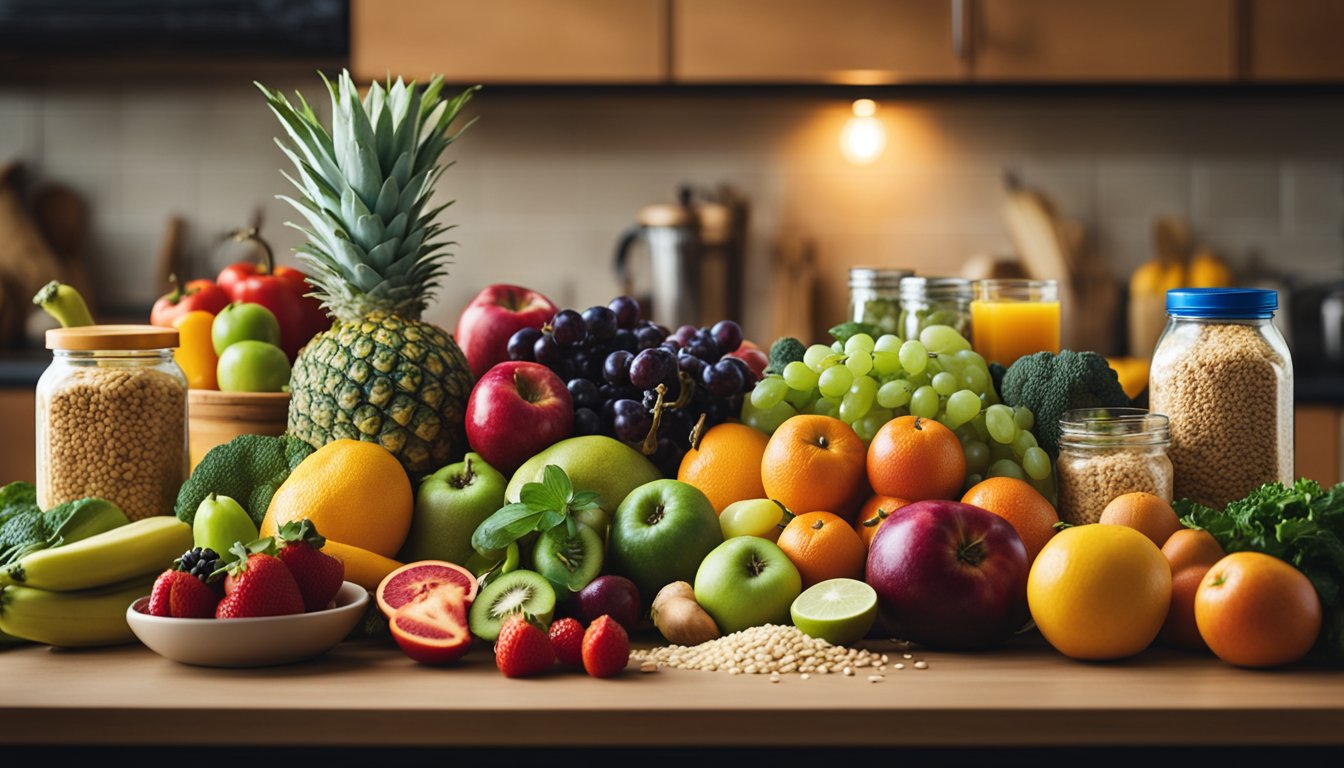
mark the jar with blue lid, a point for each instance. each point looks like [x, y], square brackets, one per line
[1223, 377]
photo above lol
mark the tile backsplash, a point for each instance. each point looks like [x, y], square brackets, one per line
[545, 182]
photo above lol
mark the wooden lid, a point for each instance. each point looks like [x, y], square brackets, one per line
[91, 338]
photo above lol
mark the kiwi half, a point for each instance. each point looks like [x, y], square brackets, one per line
[568, 562]
[517, 591]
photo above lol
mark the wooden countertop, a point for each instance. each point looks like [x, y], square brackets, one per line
[368, 694]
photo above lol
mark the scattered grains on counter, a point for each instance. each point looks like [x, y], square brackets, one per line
[648, 666]
[875, 678]
[756, 646]
[899, 665]
[804, 676]
[921, 665]
[1085, 485]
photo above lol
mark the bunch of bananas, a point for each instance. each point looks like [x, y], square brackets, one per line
[77, 594]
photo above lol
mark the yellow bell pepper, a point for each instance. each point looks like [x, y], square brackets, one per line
[195, 354]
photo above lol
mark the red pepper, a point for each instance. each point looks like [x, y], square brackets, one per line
[279, 289]
[196, 295]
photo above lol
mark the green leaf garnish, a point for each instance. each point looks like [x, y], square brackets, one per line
[540, 507]
[844, 331]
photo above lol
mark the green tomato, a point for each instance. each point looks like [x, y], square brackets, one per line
[243, 322]
[253, 366]
[219, 523]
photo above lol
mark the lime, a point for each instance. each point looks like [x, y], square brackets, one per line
[839, 611]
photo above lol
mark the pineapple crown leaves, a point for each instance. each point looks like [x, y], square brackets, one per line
[373, 242]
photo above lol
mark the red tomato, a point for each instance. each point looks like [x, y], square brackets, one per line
[201, 295]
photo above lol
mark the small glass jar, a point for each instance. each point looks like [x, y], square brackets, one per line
[1223, 375]
[112, 419]
[1012, 318]
[875, 297]
[929, 301]
[1108, 452]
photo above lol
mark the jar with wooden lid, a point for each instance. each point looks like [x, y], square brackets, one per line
[112, 418]
[875, 296]
[1108, 452]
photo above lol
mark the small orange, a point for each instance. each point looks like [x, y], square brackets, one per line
[1255, 610]
[726, 465]
[812, 462]
[916, 459]
[823, 546]
[874, 514]
[1148, 514]
[1188, 547]
[1180, 629]
[1030, 513]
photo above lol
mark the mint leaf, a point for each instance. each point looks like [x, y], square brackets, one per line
[557, 485]
[844, 331]
[504, 527]
[583, 501]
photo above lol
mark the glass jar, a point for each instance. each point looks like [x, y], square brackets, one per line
[875, 298]
[929, 301]
[1108, 452]
[112, 419]
[1012, 318]
[1223, 375]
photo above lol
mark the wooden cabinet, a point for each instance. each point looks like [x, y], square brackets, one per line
[1295, 40]
[1318, 438]
[1104, 40]
[805, 41]
[17, 457]
[511, 41]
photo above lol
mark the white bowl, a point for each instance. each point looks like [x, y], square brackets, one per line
[259, 642]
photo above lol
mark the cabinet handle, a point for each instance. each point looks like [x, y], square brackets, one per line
[959, 47]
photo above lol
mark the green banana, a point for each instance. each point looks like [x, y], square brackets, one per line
[144, 546]
[72, 619]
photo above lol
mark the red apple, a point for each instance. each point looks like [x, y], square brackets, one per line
[949, 575]
[515, 410]
[491, 318]
[753, 356]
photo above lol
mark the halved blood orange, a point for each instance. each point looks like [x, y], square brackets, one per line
[432, 629]
[412, 581]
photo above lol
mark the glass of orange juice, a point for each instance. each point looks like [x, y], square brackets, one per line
[1012, 318]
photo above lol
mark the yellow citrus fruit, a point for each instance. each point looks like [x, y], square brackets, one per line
[365, 568]
[726, 466]
[1099, 591]
[353, 492]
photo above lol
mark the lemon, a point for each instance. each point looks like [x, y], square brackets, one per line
[839, 611]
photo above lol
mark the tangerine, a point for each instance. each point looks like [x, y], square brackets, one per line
[1146, 513]
[1255, 610]
[1030, 513]
[823, 546]
[726, 465]
[1189, 546]
[1180, 630]
[916, 459]
[812, 462]
[874, 514]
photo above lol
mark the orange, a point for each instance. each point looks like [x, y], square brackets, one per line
[1148, 514]
[726, 466]
[1190, 553]
[1099, 591]
[811, 463]
[874, 515]
[353, 492]
[823, 546]
[1255, 610]
[916, 459]
[1188, 547]
[1030, 513]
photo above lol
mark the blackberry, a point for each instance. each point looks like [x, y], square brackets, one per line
[199, 562]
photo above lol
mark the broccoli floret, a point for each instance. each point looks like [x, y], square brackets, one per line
[248, 468]
[1048, 385]
[785, 350]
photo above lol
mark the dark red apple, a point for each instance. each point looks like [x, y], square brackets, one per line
[497, 312]
[516, 410]
[753, 356]
[949, 575]
[615, 596]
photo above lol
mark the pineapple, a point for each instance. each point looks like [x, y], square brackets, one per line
[375, 254]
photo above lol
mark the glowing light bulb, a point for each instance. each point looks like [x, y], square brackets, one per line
[864, 137]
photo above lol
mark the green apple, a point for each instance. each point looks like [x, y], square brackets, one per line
[660, 534]
[753, 517]
[243, 322]
[745, 582]
[219, 523]
[449, 505]
[597, 463]
[252, 366]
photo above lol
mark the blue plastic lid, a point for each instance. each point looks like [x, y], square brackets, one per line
[1233, 303]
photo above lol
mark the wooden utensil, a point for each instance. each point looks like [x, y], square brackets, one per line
[170, 250]
[63, 218]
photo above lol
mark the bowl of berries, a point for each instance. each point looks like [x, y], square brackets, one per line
[274, 601]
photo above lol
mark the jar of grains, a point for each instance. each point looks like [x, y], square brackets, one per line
[929, 301]
[1222, 374]
[1108, 452]
[875, 296]
[112, 418]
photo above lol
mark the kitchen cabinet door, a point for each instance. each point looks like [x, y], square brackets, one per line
[808, 41]
[1103, 40]
[18, 459]
[1295, 40]
[511, 41]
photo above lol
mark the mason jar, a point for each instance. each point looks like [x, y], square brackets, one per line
[929, 301]
[1223, 375]
[875, 296]
[112, 419]
[1108, 452]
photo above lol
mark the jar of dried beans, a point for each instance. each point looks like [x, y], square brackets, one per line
[112, 418]
[1223, 376]
[1108, 452]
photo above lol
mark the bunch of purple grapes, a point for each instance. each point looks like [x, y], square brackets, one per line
[613, 363]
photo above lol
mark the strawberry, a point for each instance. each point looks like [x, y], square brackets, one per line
[258, 584]
[182, 596]
[523, 647]
[606, 647]
[567, 640]
[318, 574]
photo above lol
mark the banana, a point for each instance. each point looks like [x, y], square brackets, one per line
[72, 619]
[144, 546]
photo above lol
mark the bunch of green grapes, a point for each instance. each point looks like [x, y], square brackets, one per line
[866, 382]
